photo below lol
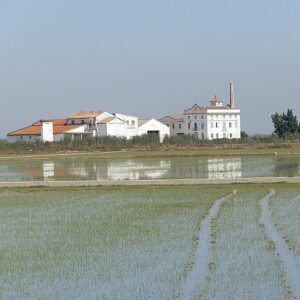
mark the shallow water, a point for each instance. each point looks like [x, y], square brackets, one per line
[152, 168]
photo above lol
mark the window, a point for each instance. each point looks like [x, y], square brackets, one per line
[195, 126]
[132, 122]
[212, 135]
[195, 117]
[216, 125]
[217, 135]
[21, 138]
[230, 125]
[82, 121]
[211, 125]
[202, 117]
[202, 135]
[73, 122]
[224, 116]
[224, 125]
[202, 125]
[217, 116]
[230, 135]
[127, 122]
[179, 126]
[189, 125]
[236, 125]
[173, 126]
[224, 135]
[189, 117]
[30, 137]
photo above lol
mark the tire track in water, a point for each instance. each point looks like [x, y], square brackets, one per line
[286, 256]
[203, 255]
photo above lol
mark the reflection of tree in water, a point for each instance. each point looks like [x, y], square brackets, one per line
[286, 168]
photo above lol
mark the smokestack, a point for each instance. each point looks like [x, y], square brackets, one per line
[232, 100]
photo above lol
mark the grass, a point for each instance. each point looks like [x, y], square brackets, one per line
[159, 152]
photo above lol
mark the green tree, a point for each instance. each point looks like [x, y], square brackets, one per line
[285, 124]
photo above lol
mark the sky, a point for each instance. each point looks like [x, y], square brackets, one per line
[147, 58]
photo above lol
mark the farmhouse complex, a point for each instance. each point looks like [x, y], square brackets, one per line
[90, 124]
[208, 122]
[215, 121]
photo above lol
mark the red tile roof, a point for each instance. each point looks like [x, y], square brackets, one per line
[85, 115]
[59, 127]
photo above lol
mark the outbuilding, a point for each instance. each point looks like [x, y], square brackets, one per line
[47, 131]
[152, 126]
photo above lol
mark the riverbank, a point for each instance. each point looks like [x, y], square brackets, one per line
[159, 182]
[226, 150]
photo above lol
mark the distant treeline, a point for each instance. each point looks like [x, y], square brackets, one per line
[115, 143]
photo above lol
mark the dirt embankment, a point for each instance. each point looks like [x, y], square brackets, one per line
[159, 182]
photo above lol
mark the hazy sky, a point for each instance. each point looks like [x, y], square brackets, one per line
[147, 58]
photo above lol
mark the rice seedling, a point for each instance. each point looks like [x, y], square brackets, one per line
[244, 266]
[141, 242]
[285, 209]
[130, 243]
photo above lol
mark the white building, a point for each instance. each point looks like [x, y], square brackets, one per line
[176, 124]
[215, 121]
[48, 131]
[153, 126]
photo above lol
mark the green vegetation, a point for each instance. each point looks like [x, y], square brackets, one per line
[286, 124]
[108, 243]
[285, 206]
[110, 147]
[244, 265]
[148, 142]
[139, 242]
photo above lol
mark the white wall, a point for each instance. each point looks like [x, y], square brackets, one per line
[176, 126]
[47, 131]
[154, 125]
[224, 125]
[131, 125]
[214, 123]
[23, 138]
[116, 128]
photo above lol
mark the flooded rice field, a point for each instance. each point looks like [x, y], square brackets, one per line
[189, 242]
[152, 168]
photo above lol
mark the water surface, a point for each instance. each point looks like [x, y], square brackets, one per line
[151, 168]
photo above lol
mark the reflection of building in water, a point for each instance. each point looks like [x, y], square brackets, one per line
[79, 169]
[224, 168]
[133, 170]
[48, 170]
[118, 170]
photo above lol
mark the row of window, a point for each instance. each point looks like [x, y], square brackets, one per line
[214, 116]
[218, 136]
[216, 125]
[202, 125]
[132, 122]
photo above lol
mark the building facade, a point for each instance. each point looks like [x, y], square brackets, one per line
[215, 121]
[91, 124]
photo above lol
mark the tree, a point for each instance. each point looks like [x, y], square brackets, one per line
[244, 135]
[285, 124]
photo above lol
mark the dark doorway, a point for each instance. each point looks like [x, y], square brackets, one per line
[153, 132]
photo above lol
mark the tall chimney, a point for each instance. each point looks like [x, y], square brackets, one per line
[232, 100]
